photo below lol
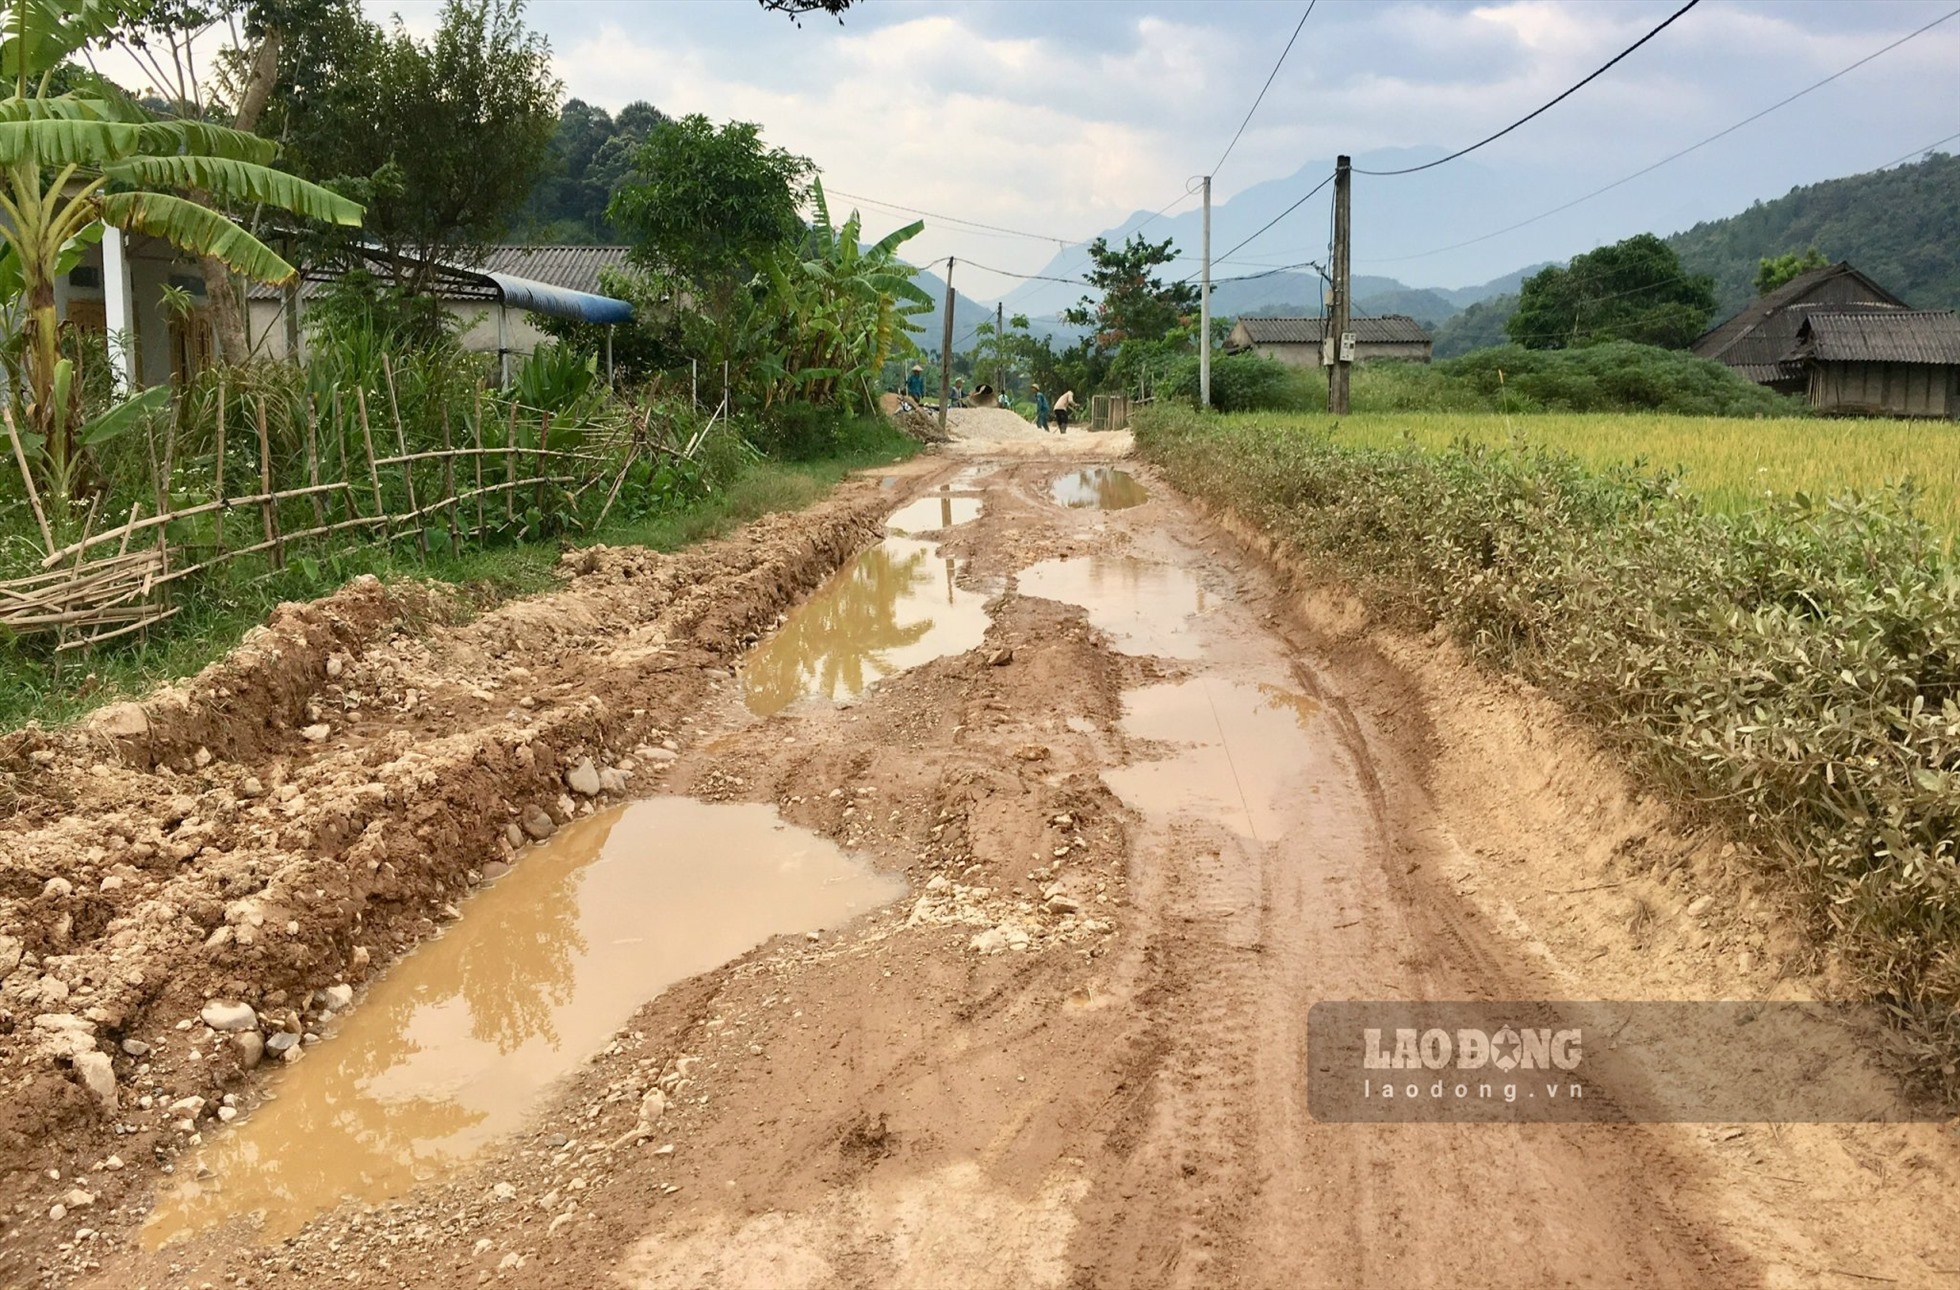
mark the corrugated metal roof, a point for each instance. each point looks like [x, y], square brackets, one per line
[1389, 329]
[1763, 332]
[1893, 336]
[574, 268]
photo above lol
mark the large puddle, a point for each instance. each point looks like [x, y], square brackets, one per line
[453, 1047]
[894, 607]
[1103, 487]
[936, 511]
[1146, 608]
[1244, 757]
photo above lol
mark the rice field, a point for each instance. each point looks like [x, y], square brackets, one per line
[1730, 463]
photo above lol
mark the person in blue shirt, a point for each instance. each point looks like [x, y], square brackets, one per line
[915, 383]
[1040, 409]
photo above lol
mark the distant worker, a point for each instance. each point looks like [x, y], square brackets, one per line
[915, 383]
[1064, 409]
[1040, 410]
[959, 391]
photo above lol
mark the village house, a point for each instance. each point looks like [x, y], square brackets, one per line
[1757, 342]
[1300, 341]
[1887, 363]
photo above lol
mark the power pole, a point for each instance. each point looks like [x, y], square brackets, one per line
[1000, 351]
[946, 352]
[1339, 326]
[1204, 312]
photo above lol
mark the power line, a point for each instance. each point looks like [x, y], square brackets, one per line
[1063, 242]
[1918, 152]
[1541, 110]
[1676, 156]
[1025, 277]
[1263, 88]
[1277, 218]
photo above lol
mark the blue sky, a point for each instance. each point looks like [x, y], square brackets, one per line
[1063, 117]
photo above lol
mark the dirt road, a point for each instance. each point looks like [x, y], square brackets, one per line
[1151, 797]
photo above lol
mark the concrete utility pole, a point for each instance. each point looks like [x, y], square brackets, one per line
[946, 352]
[1339, 327]
[1000, 351]
[1204, 312]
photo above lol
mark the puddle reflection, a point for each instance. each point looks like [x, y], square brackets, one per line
[1243, 756]
[895, 607]
[453, 1047]
[1103, 487]
[1147, 608]
[930, 513]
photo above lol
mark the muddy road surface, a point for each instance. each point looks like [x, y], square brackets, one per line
[928, 889]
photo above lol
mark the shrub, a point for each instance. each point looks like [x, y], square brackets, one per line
[1616, 377]
[1247, 383]
[1795, 668]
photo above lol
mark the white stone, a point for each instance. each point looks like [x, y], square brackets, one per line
[316, 733]
[338, 997]
[224, 1014]
[99, 1078]
[583, 778]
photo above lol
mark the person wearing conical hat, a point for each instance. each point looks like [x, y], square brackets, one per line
[915, 383]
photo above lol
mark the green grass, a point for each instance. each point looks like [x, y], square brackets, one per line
[1732, 464]
[34, 687]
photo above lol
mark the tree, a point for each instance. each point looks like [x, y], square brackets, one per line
[90, 156]
[1772, 271]
[592, 155]
[1632, 290]
[1136, 304]
[445, 140]
[709, 207]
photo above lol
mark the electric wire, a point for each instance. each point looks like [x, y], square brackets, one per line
[1545, 107]
[1676, 156]
[1263, 88]
[1269, 223]
[954, 219]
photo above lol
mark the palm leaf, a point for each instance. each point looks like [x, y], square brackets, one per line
[891, 241]
[202, 139]
[228, 179]
[41, 33]
[67, 141]
[198, 230]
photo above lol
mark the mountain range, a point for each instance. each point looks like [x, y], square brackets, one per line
[1898, 225]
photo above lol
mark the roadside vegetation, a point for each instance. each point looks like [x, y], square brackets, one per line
[141, 533]
[1791, 668]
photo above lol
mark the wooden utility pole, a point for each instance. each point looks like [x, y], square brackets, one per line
[1204, 312]
[1000, 351]
[1340, 357]
[946, 351]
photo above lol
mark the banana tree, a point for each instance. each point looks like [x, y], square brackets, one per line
[91, 156]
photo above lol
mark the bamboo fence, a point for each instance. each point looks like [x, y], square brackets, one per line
[117, 581]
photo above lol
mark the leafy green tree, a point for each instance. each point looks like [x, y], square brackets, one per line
[78, 160]
[1479, 326]
[1772, 271]
[1632, 290]
[446, 140]
[709, 207]
[592, 155]
[1135, 303]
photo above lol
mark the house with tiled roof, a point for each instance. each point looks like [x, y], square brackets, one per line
[1300, 341]
[1885, 363]
[1757, 342]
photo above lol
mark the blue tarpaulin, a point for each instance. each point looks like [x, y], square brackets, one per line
[560, 302]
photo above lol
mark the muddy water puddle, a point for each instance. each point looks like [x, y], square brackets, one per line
[1147, 608]
[1102, 487]
[942, 510]
[455, 1046]
[896, 606]
[1240, 753]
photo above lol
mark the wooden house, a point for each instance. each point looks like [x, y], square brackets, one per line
[1891, 363]
[1298, 341]
[1757, 342]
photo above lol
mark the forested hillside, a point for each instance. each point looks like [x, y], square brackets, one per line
[591, 155]
[1897, 225]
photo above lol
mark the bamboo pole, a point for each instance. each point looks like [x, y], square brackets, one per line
[374, 471]
[269, 508]
[510, 465]
[541, 497]
[27, 478]
[313, 460]
[401, 442]
[449, 478]
[476, 430]
[202, 508]
[218, 519]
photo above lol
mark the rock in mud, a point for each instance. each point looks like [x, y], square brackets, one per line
[514, 835]
[339, 997]
[135, 1048]
[494, 870]
[538, 822]
[249, 1045]
[226, 1014]
[11, 950]
[316, 733]
[583, 778]
[281, 1042]
[98, 1075]
[1001, 657]
[121, 721]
